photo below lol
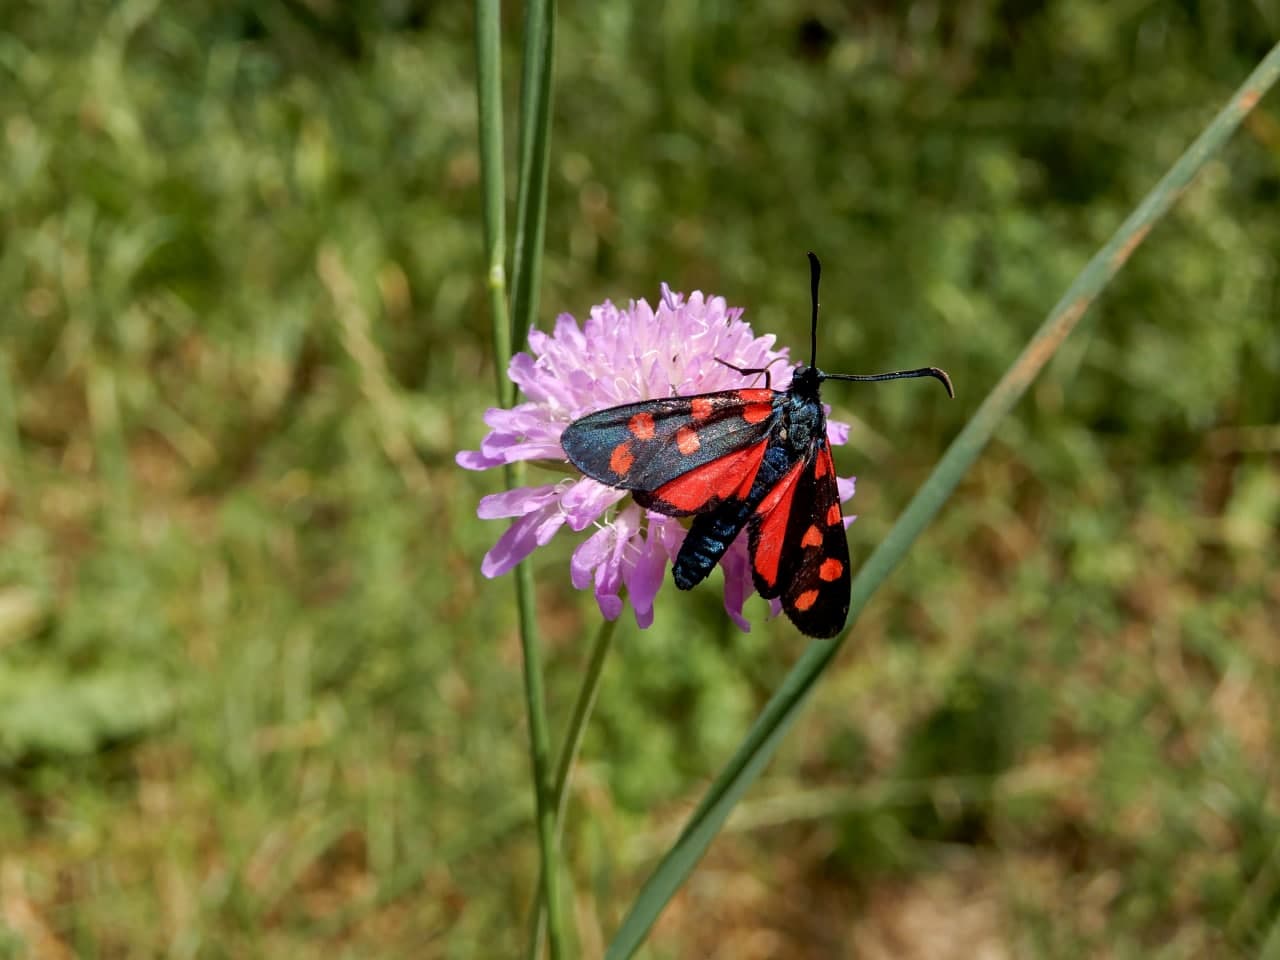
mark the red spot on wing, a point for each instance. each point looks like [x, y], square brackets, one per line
[622, 458]
[812, 537]
[641, 426]
[831, 569]
[775, 509]
[701, 408]
[757, 412]
[720, 479]
[824, 464]
[758, 395]
[687, 440]
[833, 515]
[806, 600]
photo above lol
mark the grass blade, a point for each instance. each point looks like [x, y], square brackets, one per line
[780, 713]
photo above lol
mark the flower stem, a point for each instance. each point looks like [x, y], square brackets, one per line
[493, 185]
[535, 152]
[782, 709]
[582, 708]
[548, 902]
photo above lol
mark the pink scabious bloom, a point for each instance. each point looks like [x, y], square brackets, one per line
[618, 356]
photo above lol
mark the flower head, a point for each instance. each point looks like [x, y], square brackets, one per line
[617, 356]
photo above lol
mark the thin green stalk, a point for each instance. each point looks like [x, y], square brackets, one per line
[782, 709]
[535, 152]
[489, 86]
[540, 752]
[582, 708]
[493, 186]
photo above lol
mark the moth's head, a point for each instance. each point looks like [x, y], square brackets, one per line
[806, 379]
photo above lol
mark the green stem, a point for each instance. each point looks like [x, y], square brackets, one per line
[780, 713]
[540, 752]
[535, 153]
[489, 97]
[582, 708]
[489, 88]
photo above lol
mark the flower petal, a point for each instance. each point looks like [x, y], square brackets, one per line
[515, 503]
[610, 605]
[669, 531]
[837, 432]
[737, 585]
[643, 576]
[586, 500]
[609, 571]
[548, 527]
[525, 416]
[476, 460]
[590, 554]
[517, 543]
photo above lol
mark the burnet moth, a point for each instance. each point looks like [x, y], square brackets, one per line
[755, 458]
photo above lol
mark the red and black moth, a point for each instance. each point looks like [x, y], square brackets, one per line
[755, 458]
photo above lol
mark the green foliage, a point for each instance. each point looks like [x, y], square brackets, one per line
[44, 713]
[256, 699]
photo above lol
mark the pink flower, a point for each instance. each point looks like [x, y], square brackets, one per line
[617, 356]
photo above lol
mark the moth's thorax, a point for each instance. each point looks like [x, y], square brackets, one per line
[802, 420]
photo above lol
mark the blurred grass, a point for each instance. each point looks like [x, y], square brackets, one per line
[255, 698]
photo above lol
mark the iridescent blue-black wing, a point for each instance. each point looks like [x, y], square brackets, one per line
[679, 455]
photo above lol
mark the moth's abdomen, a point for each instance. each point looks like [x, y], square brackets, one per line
[707, 541]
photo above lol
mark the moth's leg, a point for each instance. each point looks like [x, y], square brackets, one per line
[752, 371]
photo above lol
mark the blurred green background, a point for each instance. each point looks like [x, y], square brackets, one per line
[255, 697]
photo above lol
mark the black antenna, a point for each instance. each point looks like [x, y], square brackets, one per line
[815, 274]
[935, 372]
